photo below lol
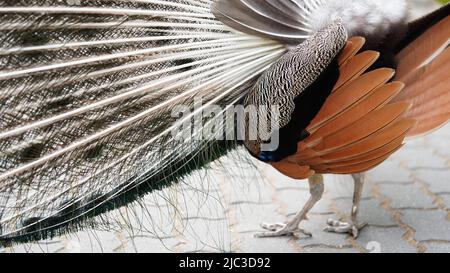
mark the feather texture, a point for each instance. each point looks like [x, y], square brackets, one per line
[288, 78]
[88, 92]
[280, 20]
[424, 66]
[292, 21]
[358, 127]
[87, 95]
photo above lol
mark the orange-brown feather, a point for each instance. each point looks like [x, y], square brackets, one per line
[353, 46]
[354, 67]
[424, 48]
[424, 67]
[357, 128]
[396, 131]
[361, 129]
[366, 119]
[346, 97]
[360, 167]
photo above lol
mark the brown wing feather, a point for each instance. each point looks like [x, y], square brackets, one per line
[293, 170]
[383, 137]
[424, 66]
[354, 67]
[376, 99]
[428, 125]
[375, 154]
[424, 48]
[353, 46]
[361, 129]
[341, 100]
[360, 167]
[358, 127]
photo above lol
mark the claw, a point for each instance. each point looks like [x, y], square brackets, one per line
[281, 230]
[292, 227]
[273, 227]
[335, 226]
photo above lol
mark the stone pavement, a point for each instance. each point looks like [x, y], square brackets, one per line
[406, 203]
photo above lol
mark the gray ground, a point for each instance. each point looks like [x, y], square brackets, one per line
[406, 203]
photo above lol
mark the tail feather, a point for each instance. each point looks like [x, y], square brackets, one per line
[282, 20]
[423, 65]
[88, 94]
[424, 49]
[417, 27]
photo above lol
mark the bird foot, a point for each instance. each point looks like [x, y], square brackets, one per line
[281, 230]
[335, 226]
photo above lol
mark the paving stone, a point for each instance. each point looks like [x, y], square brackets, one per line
[437, 247]
[421, 157]
[293, 200]
[206, 234]
[249, 244]
[342, 187]
[41, 247]
[406, 196]
[446, 199]
[389, 171]
[429, 225]
[414, 144]
[384, 240]
[251, 216]
[370, 212]
[315, 225]
[441, 144]
[444, 131]
[330, 250]
[92, 242]
[323, 207]
[145, 244]
[254, 193]
[438, 180]
[249, 200]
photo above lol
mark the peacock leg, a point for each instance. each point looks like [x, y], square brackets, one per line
[350, 227]
[292, 228]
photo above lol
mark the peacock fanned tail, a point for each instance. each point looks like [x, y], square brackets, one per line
[87, 94]
[95, 94]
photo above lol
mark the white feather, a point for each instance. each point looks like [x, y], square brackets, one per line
[373, 19]
[122, 66]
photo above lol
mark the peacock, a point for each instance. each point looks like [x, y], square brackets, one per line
[104, 101]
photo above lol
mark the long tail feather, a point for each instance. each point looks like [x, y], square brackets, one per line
[88, 94]
[292, 21]
[277, 20]
[424, 65]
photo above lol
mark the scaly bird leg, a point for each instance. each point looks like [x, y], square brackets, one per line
[316, 188]
[350, 227]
